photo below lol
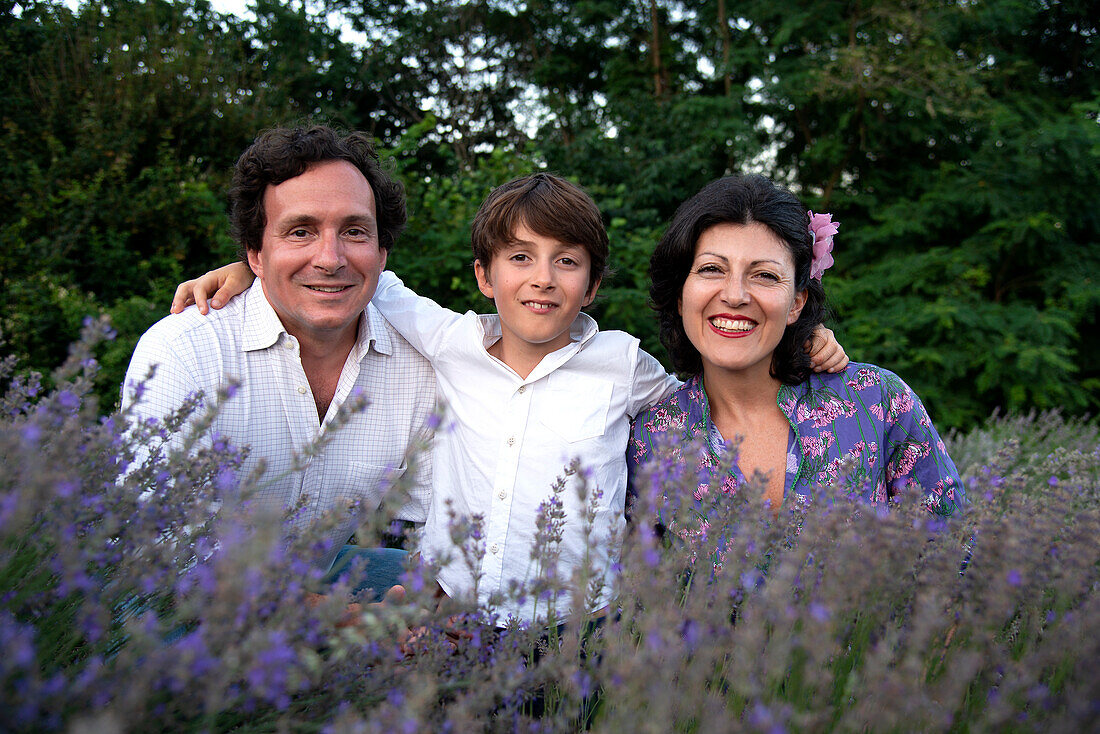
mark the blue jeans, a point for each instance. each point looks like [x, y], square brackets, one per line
[375, 570]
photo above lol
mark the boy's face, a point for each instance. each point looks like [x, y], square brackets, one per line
[539, 286]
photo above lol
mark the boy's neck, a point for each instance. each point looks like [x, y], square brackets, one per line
[523, 357]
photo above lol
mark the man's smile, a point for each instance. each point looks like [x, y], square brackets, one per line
[328, 288]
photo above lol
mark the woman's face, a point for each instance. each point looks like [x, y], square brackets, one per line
[739, 297]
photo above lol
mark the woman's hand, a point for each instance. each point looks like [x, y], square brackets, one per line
[225, 282]
[826, 354]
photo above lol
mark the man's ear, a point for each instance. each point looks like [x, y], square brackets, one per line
[483, 283]
[591, 294]
[796, 307]
[254, 262]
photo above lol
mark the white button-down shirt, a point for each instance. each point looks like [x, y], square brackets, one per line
[273, 410]
[505, 439]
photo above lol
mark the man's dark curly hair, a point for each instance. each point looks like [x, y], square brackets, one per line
[736, 200]
[282, 153]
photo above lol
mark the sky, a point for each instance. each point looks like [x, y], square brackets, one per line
[240, 8]
[236, 7]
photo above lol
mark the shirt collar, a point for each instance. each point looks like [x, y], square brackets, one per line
[582, 329]
[263, 329]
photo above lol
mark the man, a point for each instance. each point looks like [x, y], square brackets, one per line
[316, 217]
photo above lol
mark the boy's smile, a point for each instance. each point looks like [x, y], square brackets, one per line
[539, 286]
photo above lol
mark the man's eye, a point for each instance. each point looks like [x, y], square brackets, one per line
[299, 233]
[356, 233]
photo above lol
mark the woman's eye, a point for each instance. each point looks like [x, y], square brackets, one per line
[708, 269]
[765, 275]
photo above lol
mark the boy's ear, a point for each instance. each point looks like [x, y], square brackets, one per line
[591, 294]
[483, 284]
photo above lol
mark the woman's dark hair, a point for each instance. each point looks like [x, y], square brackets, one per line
[736, 200]
[283, 153]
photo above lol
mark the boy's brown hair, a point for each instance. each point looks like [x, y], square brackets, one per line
[549, 206]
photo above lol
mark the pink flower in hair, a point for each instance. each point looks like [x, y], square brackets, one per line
[822, 227]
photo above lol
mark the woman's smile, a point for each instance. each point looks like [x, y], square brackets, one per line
[732, 326]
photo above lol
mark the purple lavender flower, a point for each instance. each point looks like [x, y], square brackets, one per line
[269, 675]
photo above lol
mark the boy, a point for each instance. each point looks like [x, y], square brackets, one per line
[528, 390]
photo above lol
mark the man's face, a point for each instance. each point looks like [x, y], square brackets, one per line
[320, 260]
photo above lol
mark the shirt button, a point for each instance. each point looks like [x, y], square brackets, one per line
[522, 389]
[289, 345]
[494, 548]
[511, 440]
[502, 494]
[301, 390]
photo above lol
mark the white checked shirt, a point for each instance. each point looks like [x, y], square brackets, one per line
[505, 439]
[273, 411]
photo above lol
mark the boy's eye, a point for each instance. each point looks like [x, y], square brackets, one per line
[568, 261]
[518, 257]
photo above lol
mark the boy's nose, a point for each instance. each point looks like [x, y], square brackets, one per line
[543, 275]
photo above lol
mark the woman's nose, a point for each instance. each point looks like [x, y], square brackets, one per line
[734, 291]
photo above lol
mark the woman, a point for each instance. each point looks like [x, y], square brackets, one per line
[736, 282]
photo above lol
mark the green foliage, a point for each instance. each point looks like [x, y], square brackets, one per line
[124, 121]
[957, 143]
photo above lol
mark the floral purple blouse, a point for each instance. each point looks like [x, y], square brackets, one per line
[864, 419]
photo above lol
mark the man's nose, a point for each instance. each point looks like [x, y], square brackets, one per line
[330, 255]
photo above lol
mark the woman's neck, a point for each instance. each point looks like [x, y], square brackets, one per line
[740, 398]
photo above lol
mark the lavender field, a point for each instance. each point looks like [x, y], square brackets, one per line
[128, 604]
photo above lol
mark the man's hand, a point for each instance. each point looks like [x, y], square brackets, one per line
[225, 282]
[826, 354]
[353, 613]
